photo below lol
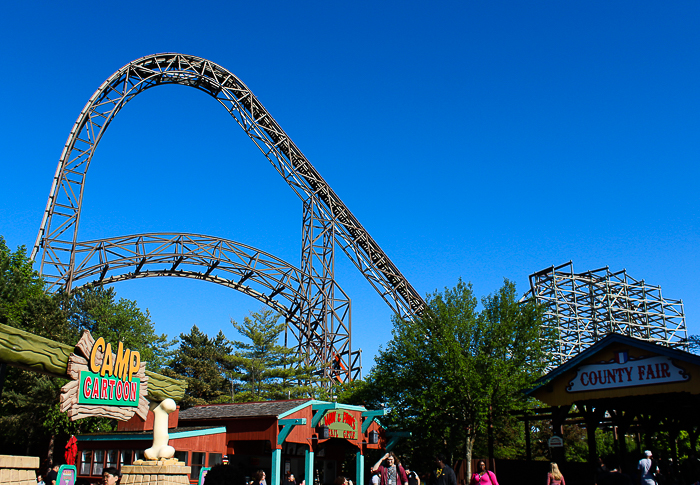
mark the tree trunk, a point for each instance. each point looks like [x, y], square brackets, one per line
[469, 446]
[49, 454]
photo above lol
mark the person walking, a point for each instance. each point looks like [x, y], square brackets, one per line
[443, 474]
[647, 469]
[391, 474]
[483, 475]
[554, 477]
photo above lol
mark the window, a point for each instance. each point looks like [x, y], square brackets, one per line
[126, 458]
[112, 456]
[85, 462]
[98, 463]
[138, 455]
[197, 464]
[181, 456]
[214, 459]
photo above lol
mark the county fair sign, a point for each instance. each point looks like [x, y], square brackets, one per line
[624, 371]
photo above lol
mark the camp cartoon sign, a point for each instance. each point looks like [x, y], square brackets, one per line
[624, 371]
[105, 383]
[341, 424]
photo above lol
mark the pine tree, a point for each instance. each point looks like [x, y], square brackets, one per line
[206, 366]
[269, 370]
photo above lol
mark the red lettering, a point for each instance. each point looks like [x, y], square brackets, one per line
[664, 370]
[103, 393]
[125, 391]
[593, 378]
[96, 388]
[611, 375]
[641, 372]
[86, 386]
[650, 372]
[601, 375]
[584, 374]
[119, 390]
[111, 388]
[134, 397]
[658, 374]
[628, 370]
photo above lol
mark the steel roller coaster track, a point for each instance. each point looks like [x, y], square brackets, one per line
[318, 319]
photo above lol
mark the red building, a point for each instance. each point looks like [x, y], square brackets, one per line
[307, 437]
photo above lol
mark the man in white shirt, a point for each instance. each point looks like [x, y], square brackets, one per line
[647, 468]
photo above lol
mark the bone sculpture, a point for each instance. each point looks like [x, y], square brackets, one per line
[160, 448]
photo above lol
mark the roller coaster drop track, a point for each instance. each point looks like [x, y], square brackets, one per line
[316, 309]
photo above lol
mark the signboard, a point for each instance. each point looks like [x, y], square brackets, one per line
[625, 371]
[66, 475]
[341, 424]
[556, 442]
[105, 384]
[203, 475]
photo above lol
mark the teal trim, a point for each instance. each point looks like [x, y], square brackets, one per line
[359, 468]
[276, 467]
[309, 467]
[370, 415]
[294, 410]
[288, 427]
[149, 436]
[321, 411]
[201, 432]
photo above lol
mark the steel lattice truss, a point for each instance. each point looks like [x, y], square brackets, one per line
[582, 308]
[320, 319]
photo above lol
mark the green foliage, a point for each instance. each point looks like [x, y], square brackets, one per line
[268, 370]
[204, 363]
[444, 373]
[97, 309]
[30, 418]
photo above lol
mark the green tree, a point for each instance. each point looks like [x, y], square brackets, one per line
[97, 309]
[205, 364]
[268, 369]
[446, 374]
[29, 411]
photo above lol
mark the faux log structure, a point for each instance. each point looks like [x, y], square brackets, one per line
[39, 354]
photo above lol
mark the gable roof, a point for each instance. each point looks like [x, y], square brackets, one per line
[606, 342]
[242, 410]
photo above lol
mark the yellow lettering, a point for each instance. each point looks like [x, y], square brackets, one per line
[107, 362]
[99, 344]
[135, 363]
[121, 364]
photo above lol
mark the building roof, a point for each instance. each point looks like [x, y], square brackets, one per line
[607, 341]
[242, 410]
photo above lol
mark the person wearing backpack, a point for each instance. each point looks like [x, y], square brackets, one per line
[483, 475]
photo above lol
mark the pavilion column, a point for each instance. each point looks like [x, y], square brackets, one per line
[359, 468]
[592, 417]
[276, 466]
[622, 422]
[558, 418]
[528, 447]
[309, 467]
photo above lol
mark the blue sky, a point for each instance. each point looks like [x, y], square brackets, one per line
[472, 139]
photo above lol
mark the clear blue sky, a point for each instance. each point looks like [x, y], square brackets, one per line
[475, 139]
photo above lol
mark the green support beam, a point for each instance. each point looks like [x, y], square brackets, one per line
[371, 415]
[395, 437]
[288, 427]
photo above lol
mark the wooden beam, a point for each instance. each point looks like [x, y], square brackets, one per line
[32, 352]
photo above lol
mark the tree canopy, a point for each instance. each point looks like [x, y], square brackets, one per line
[445, 374]
[204, 363]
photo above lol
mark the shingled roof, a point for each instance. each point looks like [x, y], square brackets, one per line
[240, 410]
